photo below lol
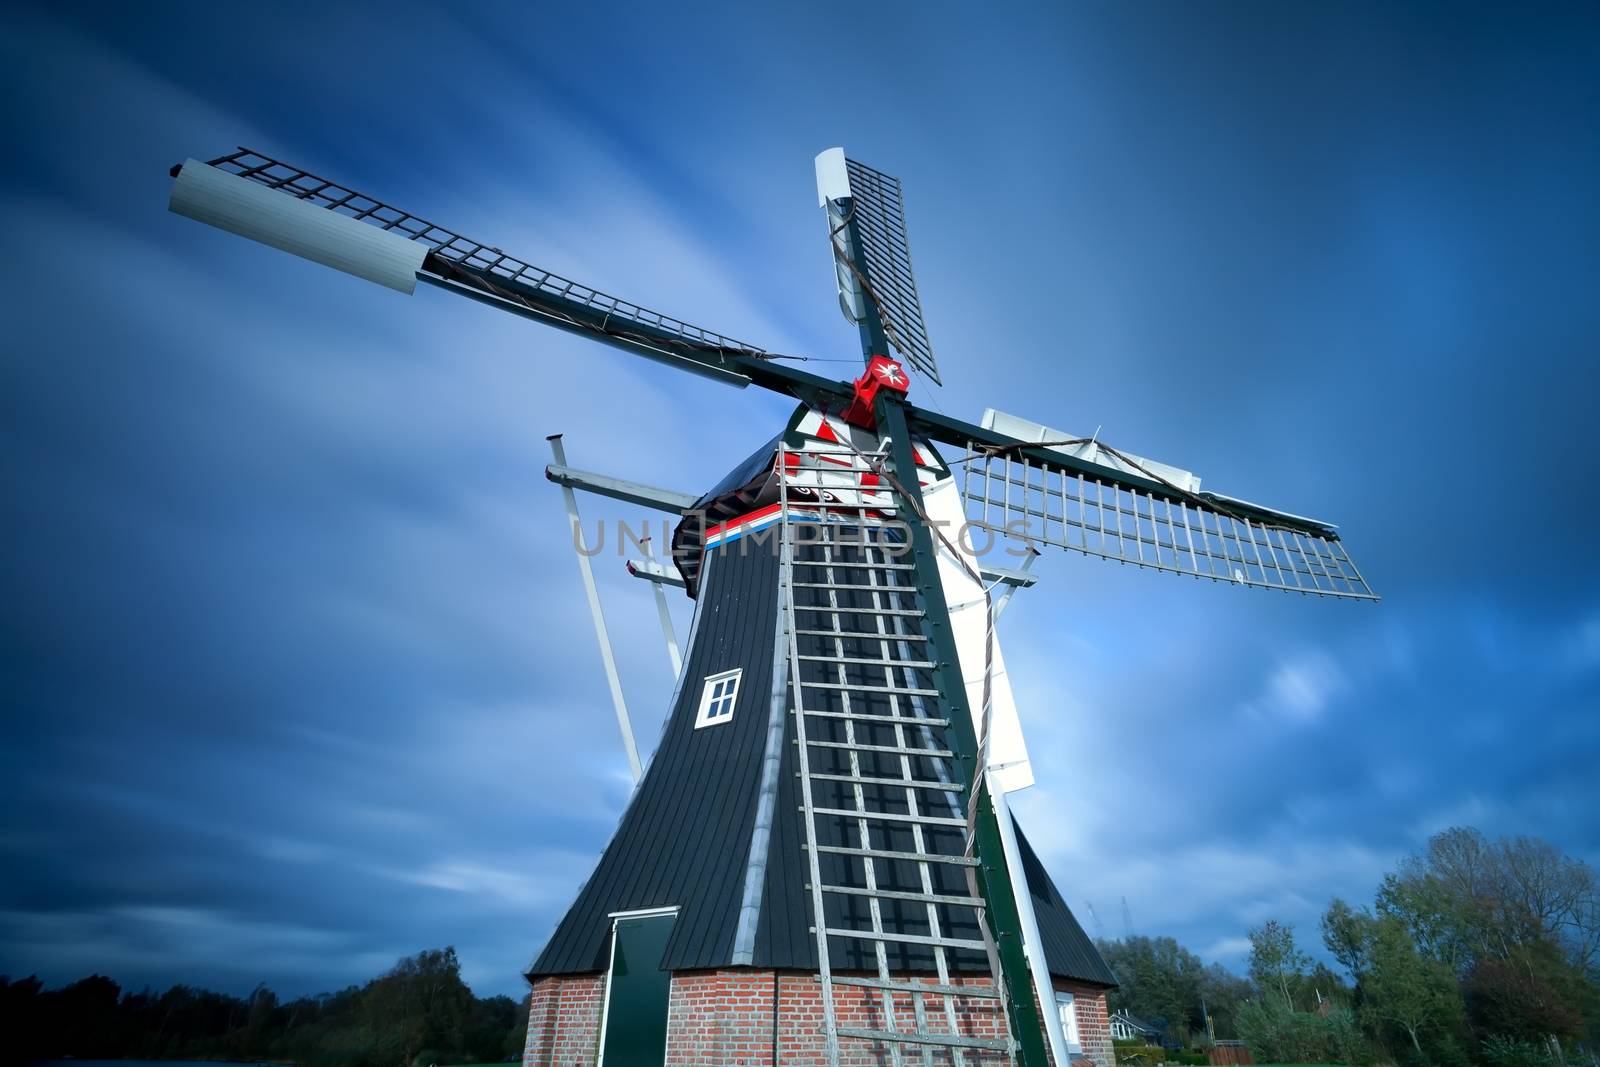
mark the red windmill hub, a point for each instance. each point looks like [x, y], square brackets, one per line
[881, 373]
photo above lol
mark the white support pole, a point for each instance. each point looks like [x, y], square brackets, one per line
[599, 618]
[1011, 589]
[666, 619]
[1032, 943]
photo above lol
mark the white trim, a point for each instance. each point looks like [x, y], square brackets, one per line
[642, 913]
[605, 997]
[1068, 1001]
[713, 696]
[611, 961]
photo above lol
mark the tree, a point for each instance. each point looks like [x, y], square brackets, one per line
[1530, 998]
[1224, 992]
[83, 1018]
[1517, 922]
[19, 1018]
[419, 1004]
[1323, 985]
[1344, 932]
[263, 1006]
[1279, 1034]
[419, 1010]
[1465, 898]
[1159, 980]
[1163, 982]
[1403, 987]
[1276, 964]
[1396, 985]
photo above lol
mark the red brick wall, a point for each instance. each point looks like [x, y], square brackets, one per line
[564, 1021]
[725, 1019]
[1094, 1022]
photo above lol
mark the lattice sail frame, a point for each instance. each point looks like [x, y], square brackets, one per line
[880, 215]
[463, 251]
[1194, 534]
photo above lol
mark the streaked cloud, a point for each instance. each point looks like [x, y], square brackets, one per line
[298, 674]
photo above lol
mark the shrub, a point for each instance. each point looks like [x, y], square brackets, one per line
[1277, 1035]
[1501, 1050]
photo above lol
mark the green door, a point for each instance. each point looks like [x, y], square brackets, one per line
[636, 994]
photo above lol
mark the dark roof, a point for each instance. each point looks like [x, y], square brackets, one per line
[685, 834]
[740, 491]
[1138, 1023]
[1067, 948]
[685, 837]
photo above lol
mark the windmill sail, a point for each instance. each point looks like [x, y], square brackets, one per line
[1083, 496]
[883, 258]
[206, 192]
[1054, 489]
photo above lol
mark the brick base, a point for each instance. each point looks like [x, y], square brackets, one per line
[564, 1021]
[737, 1018]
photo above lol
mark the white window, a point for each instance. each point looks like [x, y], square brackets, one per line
[1069, 1021]
[716, 699]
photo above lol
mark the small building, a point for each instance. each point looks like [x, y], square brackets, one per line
[1125, 1026]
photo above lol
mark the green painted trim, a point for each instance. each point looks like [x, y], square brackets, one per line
[992, 876]
[994, 883]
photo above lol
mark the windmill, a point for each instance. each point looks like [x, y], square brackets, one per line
[822, 831]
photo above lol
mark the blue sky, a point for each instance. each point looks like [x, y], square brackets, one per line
[298, 678]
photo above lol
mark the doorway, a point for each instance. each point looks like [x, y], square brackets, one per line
[634, 1020]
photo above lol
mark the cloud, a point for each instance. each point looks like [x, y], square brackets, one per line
[1469, 810]
[1581, 648]
[1228, 949]
[126, 942]
[1298, 691]
[314, 556]
[517, 887]
[299, 678]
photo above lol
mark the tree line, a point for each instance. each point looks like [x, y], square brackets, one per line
[419, 1012]
[1473, 952]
